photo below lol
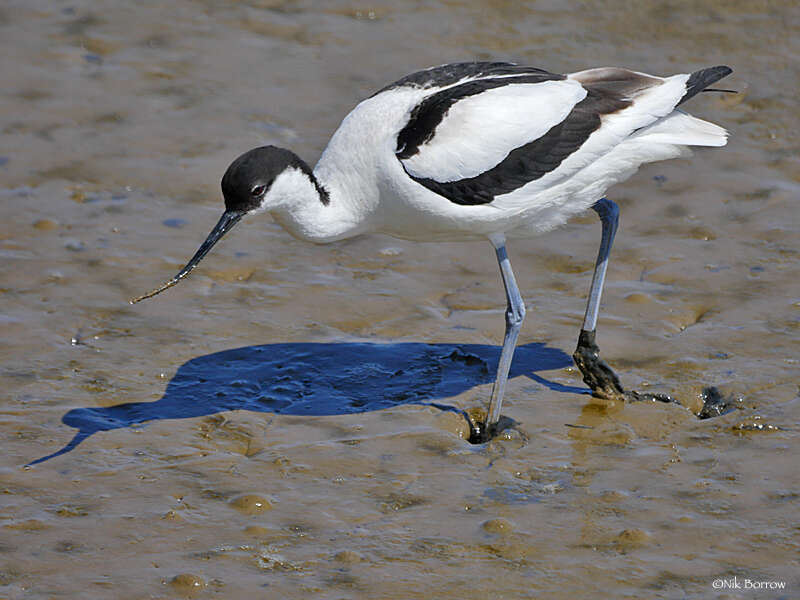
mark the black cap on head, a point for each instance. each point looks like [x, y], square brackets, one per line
[250, 176]
[244, 185]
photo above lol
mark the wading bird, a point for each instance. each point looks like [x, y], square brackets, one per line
[478, 150]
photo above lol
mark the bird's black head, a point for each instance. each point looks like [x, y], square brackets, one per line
[245, 187]
[249, 177]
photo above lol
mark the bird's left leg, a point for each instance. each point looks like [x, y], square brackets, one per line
[515, 314]
[597, 374]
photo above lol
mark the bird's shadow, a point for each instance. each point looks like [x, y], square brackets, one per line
[319, 379]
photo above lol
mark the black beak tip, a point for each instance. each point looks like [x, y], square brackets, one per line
[227, 221]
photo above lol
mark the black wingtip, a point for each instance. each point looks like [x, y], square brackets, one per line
[700, 80]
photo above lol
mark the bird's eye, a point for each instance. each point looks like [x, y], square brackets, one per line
[258, 190]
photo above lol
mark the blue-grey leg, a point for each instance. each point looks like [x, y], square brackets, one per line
[596, 373]
[602, 380]
[515, 314]
[609, 217]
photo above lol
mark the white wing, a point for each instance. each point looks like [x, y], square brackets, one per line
[503, 141]
[478, 131]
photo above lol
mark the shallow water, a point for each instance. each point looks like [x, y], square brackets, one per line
[286, 422]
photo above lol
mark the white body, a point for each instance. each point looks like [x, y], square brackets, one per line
[370, 190]
[488, 150]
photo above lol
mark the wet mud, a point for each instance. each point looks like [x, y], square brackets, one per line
[295, 420]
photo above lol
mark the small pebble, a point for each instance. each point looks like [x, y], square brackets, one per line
[45, 225]
[628, 539]
[638, 298]
[498, 526]
[251, 504]
[702, 233]
[347, 556]
[187, 583]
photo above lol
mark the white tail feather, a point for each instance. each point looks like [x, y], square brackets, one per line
[681, 128]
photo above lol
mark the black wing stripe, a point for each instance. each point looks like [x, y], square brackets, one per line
[429, 113]
[533, 160]
[453, 73]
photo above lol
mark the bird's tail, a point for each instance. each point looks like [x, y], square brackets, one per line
[700, 80]
[680, 129]
[683, 130]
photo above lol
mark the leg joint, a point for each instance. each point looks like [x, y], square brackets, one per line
[514, 318]
[608, 210]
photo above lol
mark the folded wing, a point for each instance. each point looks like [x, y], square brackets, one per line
[474, 141]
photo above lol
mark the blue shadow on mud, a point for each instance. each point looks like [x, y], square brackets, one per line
[319, 379]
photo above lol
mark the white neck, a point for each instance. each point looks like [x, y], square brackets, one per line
[295, 202]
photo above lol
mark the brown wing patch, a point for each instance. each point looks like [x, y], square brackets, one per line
[616, 81]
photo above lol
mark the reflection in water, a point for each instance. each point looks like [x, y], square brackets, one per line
[318, 380]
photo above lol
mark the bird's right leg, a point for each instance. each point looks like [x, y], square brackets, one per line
[515, 314]
[596, 373]
[600, 378]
